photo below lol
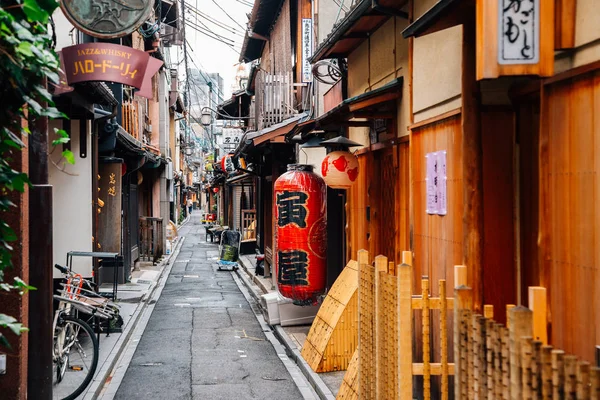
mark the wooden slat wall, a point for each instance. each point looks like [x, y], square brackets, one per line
[499, 273]
[438, 240]
[356, 210]
[572, 169]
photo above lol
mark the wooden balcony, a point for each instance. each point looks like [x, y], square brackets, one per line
[275, 99]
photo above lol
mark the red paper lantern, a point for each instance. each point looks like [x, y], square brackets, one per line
[339, 169]
[215, 190]
[300, 205]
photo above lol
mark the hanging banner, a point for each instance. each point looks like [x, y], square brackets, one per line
[306, 49]
[106, 62]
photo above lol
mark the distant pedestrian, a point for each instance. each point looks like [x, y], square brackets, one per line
[190, 206]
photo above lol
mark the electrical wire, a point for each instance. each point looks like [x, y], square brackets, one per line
[214, 20]
[210, 32]
[230, 17]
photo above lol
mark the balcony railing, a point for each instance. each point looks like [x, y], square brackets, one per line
[275, 99]
[131, 120]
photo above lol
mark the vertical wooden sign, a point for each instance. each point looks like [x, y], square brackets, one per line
[515, 37]
[109, 217]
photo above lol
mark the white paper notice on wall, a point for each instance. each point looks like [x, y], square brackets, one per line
[436, 183]
[518, 32]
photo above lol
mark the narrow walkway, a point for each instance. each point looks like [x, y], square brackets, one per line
[203, 340]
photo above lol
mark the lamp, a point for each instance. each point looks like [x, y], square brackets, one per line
[339, 167]
[206, 117]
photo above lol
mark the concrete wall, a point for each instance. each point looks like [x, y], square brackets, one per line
[72, 200]
[375, 63]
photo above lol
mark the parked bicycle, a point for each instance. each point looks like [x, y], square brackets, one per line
[75, 348]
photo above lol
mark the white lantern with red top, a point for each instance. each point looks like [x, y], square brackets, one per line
[339, 167]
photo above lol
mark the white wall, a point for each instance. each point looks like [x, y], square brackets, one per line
[72, 200]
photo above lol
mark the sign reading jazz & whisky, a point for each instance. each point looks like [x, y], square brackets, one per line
[105, 62]
[107, 19]
[515, 37]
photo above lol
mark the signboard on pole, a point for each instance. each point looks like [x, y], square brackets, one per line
[307, 48]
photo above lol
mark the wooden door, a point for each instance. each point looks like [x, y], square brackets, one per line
[386, 167]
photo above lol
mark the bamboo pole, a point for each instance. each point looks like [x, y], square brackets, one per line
[537, 304]
[463, 304]
[595, 383]
[381, 266]
[444, 337]
[426, 343]
[478, 355]
[521, 321]
[570, 377]
[488, 311]
[526, 364]
[536, 370]
[460, 275]
[546, 372]
[505, 361]
[405, 319]
[583, 380]
[558, 377]
[490, 345]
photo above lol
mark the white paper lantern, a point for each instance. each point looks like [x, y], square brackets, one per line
[339, 169]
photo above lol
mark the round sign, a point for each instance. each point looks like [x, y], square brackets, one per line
[107, 19]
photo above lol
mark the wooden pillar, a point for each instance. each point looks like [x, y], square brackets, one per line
[13, 385]
[472, 167]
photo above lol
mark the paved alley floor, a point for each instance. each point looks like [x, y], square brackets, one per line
[203, 340]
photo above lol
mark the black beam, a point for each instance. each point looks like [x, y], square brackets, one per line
[39, 383]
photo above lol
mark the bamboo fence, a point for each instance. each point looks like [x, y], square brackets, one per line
[491, 361]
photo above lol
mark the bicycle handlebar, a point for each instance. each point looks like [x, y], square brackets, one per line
[62, 269]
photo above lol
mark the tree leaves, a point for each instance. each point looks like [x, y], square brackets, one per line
[34, 12]
[69, 156]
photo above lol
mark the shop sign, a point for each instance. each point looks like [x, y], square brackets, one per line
[518, 32]
[110, 63]
[107, 19]
[435, 181]
[230, 138]
[306, 49]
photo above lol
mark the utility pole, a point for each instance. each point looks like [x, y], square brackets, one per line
[39, 361]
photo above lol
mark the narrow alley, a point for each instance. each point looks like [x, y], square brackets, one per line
[203, 340]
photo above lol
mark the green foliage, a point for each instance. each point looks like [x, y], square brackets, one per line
[27, 63]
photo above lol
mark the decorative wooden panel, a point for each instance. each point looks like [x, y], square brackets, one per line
[488, 38]
[388, 179]
[366, 324]
[349, 388]
[333, 336]
[570, 176]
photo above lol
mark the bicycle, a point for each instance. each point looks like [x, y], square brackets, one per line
[75, 348]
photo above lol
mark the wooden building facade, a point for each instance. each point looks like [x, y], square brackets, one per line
[519, 141]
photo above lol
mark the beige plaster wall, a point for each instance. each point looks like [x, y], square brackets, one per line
[313, 156]
[422, 6]
[437, 73]
[374, 64]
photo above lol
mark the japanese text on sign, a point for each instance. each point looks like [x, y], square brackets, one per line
[518, 31]
[292, 208]
[436, 183]
[306, 49]
[293, 267]
[112, 191]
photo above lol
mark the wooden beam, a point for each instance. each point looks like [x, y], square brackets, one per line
[374, 100]
[436, 368]
[564, 24]
[435, 119]
[472, 154]
[372, 115]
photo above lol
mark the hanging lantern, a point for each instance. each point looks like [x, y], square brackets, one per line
[300, 205]
[227, 164]
[339, 169]
[215, 190]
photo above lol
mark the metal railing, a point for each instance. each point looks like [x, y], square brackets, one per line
[151, 238]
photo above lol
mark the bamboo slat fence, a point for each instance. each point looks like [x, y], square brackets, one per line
[491, 361]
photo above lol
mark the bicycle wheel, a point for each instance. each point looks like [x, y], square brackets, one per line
[75, 357]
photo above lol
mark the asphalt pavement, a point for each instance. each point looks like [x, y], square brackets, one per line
[203, 340]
